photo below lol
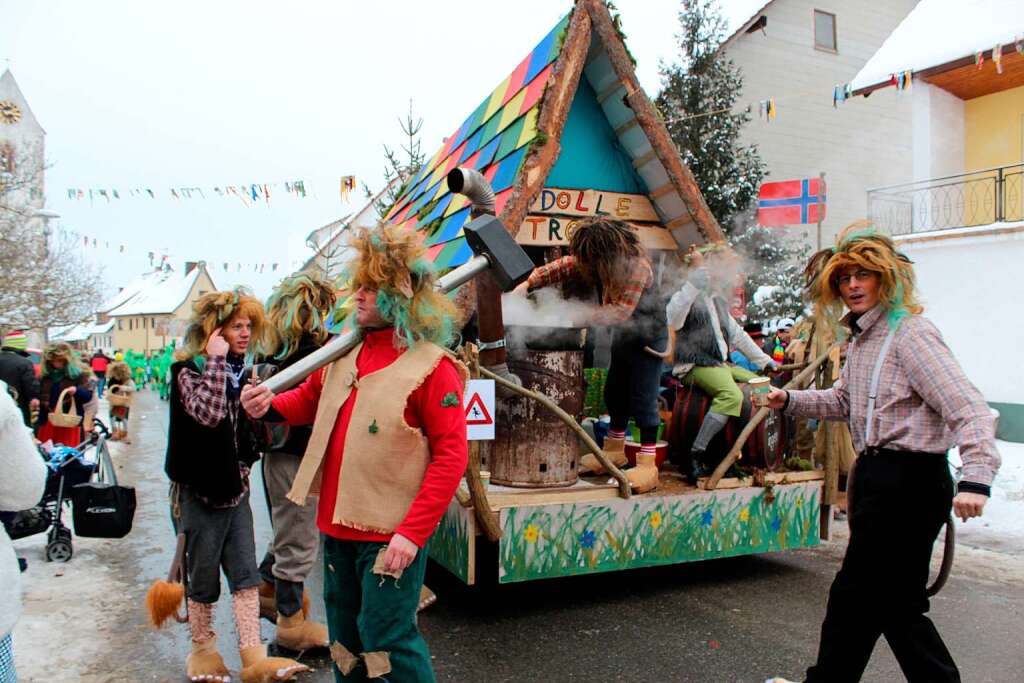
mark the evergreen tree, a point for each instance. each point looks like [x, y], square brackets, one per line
[700, 103]
[401, 165]
[697, 100]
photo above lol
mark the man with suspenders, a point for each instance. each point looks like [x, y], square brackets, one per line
[907, 402]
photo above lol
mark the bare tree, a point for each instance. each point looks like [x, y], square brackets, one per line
[44, 280]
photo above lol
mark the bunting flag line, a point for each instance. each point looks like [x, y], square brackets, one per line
[248, 193]
[159, 258]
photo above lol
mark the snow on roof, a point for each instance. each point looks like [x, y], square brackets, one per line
[738, 12]
[162, 292]
[81, 332]
[129, 291]
[937, 32]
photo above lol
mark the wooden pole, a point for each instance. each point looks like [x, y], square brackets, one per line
[758, 417]
[624, 489]
[477, 492]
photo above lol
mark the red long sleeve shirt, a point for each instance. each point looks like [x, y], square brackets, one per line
[444, 427]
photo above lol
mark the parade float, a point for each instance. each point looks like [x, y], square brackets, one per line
[570, 134]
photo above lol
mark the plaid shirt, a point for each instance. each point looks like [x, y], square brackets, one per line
[617, 309]
[205, 399]
[925, 402]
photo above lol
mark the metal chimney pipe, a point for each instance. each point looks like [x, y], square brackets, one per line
[491, 324]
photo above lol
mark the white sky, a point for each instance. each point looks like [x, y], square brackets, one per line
[199, 93]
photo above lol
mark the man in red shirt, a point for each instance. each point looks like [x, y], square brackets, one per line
[387, 452]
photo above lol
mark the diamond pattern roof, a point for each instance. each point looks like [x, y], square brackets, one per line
[493, 140]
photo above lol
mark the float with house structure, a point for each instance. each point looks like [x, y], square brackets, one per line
[570, 133]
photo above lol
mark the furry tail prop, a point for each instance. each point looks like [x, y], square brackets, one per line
[164, 598]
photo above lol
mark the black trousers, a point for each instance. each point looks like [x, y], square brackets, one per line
[900, 502]
[633, 384]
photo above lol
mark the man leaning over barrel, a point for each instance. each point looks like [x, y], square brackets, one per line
[387, 451]
[907, 402]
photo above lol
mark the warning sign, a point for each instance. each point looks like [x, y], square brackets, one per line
[479, 404]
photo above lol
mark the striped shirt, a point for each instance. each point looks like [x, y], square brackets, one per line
[925, 402]
[616, 308]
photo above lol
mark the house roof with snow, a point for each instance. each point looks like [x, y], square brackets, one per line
[82, 332]
[570, 115]
[159, 292]
[940, 41]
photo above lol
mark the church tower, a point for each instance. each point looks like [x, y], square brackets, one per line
[22, 142]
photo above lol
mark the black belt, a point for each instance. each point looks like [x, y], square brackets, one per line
[878, 452]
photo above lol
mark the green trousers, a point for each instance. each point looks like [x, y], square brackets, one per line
[368, 613]
[720, 384]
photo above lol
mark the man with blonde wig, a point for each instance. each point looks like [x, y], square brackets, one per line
[907, 403]
[387, 451]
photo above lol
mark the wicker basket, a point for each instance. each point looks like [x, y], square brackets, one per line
[118, 397]
[59, 418]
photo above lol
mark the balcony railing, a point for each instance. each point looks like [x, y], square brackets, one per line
[959, 201]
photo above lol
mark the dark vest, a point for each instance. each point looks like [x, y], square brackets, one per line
[696, 342]
[205, 458]
[285, 438]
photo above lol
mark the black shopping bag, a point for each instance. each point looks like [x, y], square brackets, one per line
[102, 508]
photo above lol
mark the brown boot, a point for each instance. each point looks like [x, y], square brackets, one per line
[295, 633]
[614, 450]
[257, 667]
[643, 477]
[124, 437]
[116, 436]
[205, 663]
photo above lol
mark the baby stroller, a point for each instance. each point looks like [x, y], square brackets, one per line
[66, 467]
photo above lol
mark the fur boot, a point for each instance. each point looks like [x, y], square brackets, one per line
[204, 663]
[643, 477]
[614, 450]
[257, 667]
[297, 634]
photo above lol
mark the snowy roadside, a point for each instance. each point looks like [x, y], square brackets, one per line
[1001, 528]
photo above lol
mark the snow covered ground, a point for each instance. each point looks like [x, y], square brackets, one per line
[1001, 528]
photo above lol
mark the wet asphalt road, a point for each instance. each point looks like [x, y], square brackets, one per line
[737, 619]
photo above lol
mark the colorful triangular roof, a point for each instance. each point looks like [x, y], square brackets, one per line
[514, 139]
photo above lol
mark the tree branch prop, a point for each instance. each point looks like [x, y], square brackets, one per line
[758, 417]
[624, 488]
[477, 492]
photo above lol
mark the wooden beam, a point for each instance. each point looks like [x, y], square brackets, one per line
[649, 120]
[554, 110]
[626, 127]
[665, 189]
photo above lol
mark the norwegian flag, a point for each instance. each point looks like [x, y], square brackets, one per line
[791, 202]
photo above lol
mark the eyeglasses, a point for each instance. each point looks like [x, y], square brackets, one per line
[860, 276]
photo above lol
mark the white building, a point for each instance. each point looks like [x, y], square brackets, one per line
[958, 211]
[796, 52]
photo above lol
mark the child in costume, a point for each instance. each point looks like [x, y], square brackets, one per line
[297, 313]
[388, 450]
[210, 450]
[705, 330]
[605, 256]
[119, 375]
[61, 370]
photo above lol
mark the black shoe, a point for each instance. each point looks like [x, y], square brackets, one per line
[691, 471]
[22, 564]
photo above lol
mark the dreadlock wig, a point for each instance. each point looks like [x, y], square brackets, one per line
[860, 246]
[393, 262]
[119, 372]
[73, 368]
[299, 307]
[217, 309]
[603, 248]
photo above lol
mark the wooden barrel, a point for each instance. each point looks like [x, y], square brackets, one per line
[766, 447]
[532, 448]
